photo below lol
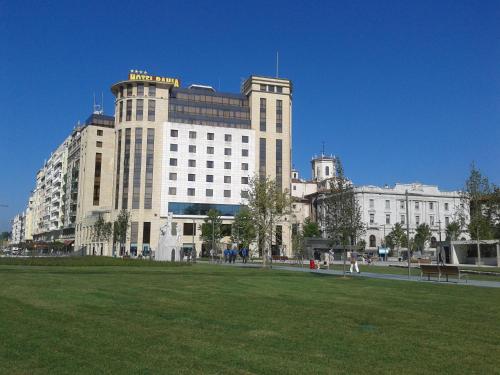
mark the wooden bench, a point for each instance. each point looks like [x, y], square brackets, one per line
[439, 271]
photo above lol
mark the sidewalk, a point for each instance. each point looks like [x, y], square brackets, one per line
[383, 276]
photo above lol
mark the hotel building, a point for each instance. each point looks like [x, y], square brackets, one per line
[180, 151]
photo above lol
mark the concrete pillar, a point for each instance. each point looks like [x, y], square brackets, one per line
[498, 254]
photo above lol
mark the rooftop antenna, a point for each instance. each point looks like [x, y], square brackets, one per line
[277, 64]
[102, 102]
[323, 150]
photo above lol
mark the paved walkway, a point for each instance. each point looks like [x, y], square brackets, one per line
[384, 276]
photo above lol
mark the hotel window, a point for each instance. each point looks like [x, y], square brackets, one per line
[190, 192]
[227, 165]
[146, 232]
[244, 139]
[227, 179]
[227, 151]
[134, 232]
[244, 180]
[172, 176]
[173, 147]
[431, 220]
[210, 136]
[210, 178]
[417, 220]
[192, 135]
[136, 186]
[99, 132]
[446, 206]
[372, 218]
[209, 192]
[279, 164]
[172, 191]
[140, 89]
[129, 90]
[262, 114]
[189, 229]
[97, 178]
[262, 158]
[173, 162]
[192, 149]
[126, 169]
[227, 193]
[263, 87]
[151, 110]
[210, 150]
[191, 163]
[402, 204]
[128, 114]
[152, 90]
[118, 157]
[372, 203]
[431, 205]
[148, 187]
[279, 116]
[121, 92]
[446, 220]
[174, 133]
[120, 113]
[279, 89]
[387, 204]
[244, 152]
[191, 177]
[210, 163]
[244, 166]
[402, 219]
[98, 144]
[139, 109]
[244, 194]
[417, 205]
[227, 137]
[387, 219]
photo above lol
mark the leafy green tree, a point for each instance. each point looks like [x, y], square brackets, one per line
[476, 194]
[453, 230]
[268, 206]
[342, 216]
[211, 229]
[310, 228]
[396, 237]
[120, 228]
[244, 231]
[102, 230]
[423, 234]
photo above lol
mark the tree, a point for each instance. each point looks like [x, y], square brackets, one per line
[268, 206]
[101, 230]
[342, 213]
[423, 234]
[397, 237]
[120, 228]
[477, 193]
[244, 231]
[211, 229]
[453, 230]
[310, 228]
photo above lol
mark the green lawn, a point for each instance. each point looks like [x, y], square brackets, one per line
[210, 319]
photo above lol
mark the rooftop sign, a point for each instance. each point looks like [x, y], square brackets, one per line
[145, 77]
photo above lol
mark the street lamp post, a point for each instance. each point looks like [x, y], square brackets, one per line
[408, 234]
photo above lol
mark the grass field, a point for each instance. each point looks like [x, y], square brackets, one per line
[211, 319]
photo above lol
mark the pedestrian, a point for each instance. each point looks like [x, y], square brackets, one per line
[354, 261]
[226, 255]
[244, 253]
[233, 254]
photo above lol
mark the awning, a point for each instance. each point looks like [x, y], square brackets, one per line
[68, 242]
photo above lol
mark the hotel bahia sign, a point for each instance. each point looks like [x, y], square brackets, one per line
[145, 77]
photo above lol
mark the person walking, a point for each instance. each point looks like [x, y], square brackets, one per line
[354, 261]
[244, 253]
[226, 256]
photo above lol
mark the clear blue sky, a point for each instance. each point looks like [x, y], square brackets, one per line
[402, 91]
